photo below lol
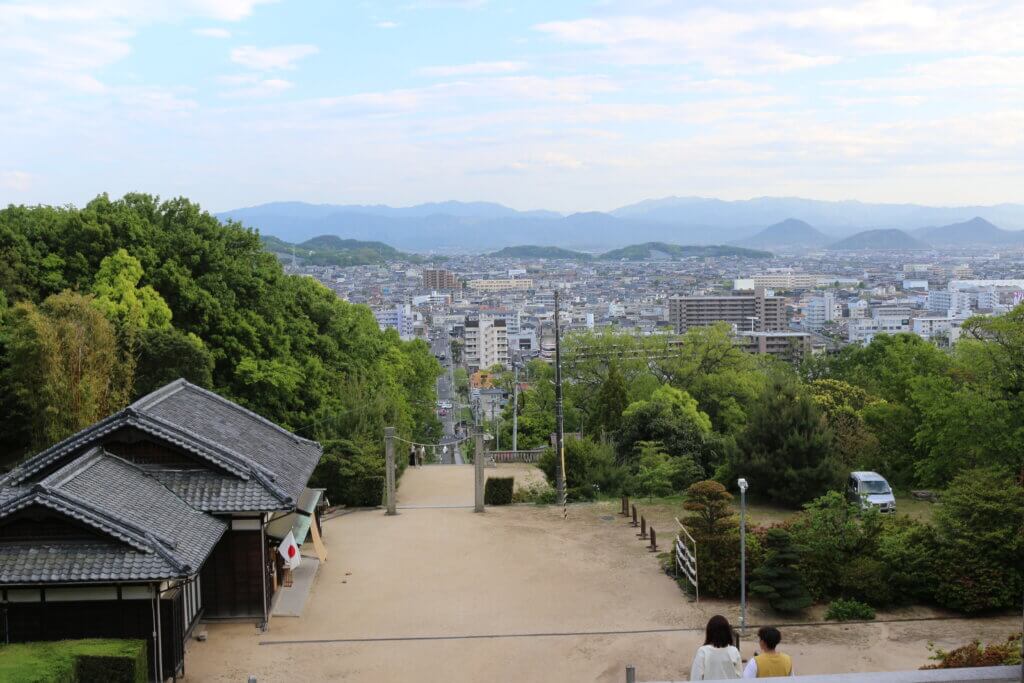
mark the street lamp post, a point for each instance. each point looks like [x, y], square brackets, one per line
[743, 556]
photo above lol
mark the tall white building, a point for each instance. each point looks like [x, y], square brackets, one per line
[398, 318]
[486, 343]
[820, 310]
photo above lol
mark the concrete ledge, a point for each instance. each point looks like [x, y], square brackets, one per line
[981, 674]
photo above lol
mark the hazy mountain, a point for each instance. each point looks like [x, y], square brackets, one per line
[893, 240]
[836, 218]
[478, 226]
[534, 251]
[976, 231]
[791, 232]
[660, 250]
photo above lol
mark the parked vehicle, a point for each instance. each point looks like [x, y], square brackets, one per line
[870, 489]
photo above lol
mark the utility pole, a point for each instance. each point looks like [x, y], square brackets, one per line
[515, 409]
[559, 428]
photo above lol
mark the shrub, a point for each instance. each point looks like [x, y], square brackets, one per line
[849, 610]
[498, 490]
[907, 548]
[866, 579]
[539, 493]
[590, 469]
[980, 557]
[777, 579]
[68, 661]
[350, 476]
[976, 654]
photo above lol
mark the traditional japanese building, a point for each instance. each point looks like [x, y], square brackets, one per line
[147, 521]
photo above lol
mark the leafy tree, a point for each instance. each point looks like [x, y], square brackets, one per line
[62, 366]
[786, 448]
[590, 469]
[121, 299]
[715, 528]
[842, 404]
[350, 476]
[777, 579]
[711, 507]
[165, 354]
[980, 533]
[670, 416]
[611, 401]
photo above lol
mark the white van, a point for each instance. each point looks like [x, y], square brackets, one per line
[870, 489]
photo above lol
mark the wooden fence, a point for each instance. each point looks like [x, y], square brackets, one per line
[531, 456]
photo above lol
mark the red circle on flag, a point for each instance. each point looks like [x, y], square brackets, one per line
[291, 551]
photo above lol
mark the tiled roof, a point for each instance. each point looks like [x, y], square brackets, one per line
[143, 530]
[289, 459]
[255, 464]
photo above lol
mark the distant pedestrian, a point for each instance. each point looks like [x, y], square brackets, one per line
[717, 659]
[412, 456]
[768, 663]
[421, 455]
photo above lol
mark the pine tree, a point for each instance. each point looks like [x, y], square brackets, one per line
[777, 579]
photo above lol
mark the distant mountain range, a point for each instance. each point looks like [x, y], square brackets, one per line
[477, 226]
[790, 233]
[893, 240]
[660, 250]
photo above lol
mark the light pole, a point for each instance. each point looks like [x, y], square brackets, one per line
[743, 555]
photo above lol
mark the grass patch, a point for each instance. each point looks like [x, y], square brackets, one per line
[71, 661]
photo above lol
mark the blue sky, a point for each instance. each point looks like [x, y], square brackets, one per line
[567, 105]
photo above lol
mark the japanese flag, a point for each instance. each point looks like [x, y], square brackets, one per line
[290, 551]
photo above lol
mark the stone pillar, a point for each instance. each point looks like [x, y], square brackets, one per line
[389, 470]
[478, 468]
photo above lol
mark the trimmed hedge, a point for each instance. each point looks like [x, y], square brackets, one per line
[498, 491]
[849, 610]
[75, 661]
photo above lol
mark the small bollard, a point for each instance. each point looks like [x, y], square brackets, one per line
[634, 522]
[630, 674]
[654, 541]
[252, 679]
[624, 507]
[643, 528]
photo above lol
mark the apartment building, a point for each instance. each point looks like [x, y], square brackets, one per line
[760, 311]
[440, 279]
[782, 279]
[790, 346]
[502, 285]
[863, 330]
[821, 310]
[486, 343]
[399, 318]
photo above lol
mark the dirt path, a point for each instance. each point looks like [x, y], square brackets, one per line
[519, 572]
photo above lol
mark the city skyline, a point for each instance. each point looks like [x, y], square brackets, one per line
[587, 106]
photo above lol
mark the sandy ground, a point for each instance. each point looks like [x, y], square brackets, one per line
[532, 589]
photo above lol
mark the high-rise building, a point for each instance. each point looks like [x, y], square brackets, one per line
[486, 343]
[399, 318]
[501, 285]
[760, 312]
[820, 310]
[440, 279]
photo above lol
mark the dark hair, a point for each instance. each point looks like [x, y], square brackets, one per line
[770, 635]
[718, 632]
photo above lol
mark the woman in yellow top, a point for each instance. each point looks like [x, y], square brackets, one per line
[769, 663]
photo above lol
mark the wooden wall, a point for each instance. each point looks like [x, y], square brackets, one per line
[233, 577]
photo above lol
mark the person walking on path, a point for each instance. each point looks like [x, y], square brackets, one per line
[717, 658]
[768, 663]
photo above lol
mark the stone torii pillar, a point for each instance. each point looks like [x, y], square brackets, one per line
[389, 470]
[478, 468]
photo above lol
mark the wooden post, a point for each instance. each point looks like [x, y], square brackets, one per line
[478, 469]
[643, 528]
[389, 470]
[634, 523]
[654, 541]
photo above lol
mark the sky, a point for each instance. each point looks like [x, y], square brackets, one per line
[570, 105]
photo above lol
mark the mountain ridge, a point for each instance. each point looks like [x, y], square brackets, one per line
[888, 239]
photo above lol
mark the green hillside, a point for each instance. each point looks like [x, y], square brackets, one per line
[534, 251]
[648, 250]
[331, 250]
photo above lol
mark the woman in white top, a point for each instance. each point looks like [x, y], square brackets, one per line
[717, 658]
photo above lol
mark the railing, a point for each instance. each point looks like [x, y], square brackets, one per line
[981, 674]
[531, 456]
[686, 559]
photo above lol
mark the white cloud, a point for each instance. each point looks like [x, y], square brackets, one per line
[386, 24]
[473, 69]
[271, 58]
[253, 86]
[220, 33]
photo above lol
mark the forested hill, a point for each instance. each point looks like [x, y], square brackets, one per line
[101, 304]
[661, 250]
[331, 250]
[534, 251]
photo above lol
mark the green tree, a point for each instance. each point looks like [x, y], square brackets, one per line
[714, 526]
[777, 579]
[63, 366]
[980, 534]
[590, 469]
[611, 401]
[166, 354]
[786, 448]
[710, 506]
[120, 298]
[670, 416]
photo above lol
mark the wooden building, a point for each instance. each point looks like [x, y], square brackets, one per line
[147, 521]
